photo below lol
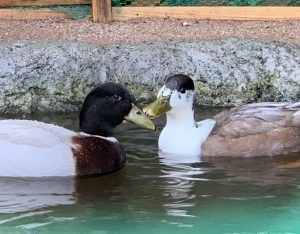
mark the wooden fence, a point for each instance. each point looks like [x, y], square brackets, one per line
[103, 12]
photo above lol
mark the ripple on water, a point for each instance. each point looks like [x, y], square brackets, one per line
[157, 192]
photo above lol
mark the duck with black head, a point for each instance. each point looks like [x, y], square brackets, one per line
[36, 149]
[260, 129]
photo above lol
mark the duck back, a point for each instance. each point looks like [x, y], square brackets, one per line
[261, 129]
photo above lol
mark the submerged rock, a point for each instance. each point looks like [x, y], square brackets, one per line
[56, 76]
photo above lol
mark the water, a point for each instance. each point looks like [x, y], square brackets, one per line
[156, 193]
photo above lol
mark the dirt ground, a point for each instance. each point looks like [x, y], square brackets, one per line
[147, 30]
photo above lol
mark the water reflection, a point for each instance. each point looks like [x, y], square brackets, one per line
[199, 184]
[27, 194]
[257, 170]
[180, 173]
[30, 203]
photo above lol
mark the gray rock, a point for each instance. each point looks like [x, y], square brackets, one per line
[56, 76]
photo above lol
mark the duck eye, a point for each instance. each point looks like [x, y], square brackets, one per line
[182, 90]
[117, 97]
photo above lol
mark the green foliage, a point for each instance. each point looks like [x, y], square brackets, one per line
[179, 2]
[295, 3]
[245, 2]
[116, 3]
[230, 3]
[76, 12]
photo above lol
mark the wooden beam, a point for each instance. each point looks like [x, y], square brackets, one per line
[32, 14]
[212, 13]
[101, 11]
[192, 13]
[9, 3]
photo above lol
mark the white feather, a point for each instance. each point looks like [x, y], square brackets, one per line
[35, 149]
[182, 135]
[185, 140]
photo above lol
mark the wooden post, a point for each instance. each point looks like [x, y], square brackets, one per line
[102, 11]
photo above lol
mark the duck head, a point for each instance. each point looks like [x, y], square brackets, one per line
[175, 97]
[107, 106]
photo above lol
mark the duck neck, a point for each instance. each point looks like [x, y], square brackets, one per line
[181, 118]
[96, 127]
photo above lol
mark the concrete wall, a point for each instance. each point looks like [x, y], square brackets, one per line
[56, 76]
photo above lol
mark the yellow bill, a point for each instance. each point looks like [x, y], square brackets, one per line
[138, 117]
[160, 106]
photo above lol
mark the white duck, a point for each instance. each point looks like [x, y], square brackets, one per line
[36, 149]
[251, 130]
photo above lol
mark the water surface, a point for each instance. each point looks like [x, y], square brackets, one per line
[156, 193]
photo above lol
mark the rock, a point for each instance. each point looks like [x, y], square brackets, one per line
[56, 76]
[185, 23]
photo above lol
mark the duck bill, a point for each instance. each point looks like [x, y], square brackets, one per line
[160, 106]
[137, 116]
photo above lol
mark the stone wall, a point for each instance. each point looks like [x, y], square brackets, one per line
[56, 76]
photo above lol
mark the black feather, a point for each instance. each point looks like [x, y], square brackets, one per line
[104, 108]
[180, 82]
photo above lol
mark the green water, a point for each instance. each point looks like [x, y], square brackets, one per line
[156, 193]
